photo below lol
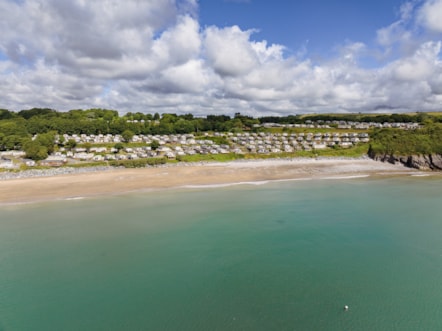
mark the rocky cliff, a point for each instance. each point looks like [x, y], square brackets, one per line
[421, 162]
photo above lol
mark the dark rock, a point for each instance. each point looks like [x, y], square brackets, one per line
[421, 162]
[436, 161]
[418, 162]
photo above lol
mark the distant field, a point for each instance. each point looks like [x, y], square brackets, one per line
[345, 114]
[436, 113]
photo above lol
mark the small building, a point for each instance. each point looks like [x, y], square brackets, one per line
[53, 161]
[6, 163]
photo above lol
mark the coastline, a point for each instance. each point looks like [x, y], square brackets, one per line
[83, 183]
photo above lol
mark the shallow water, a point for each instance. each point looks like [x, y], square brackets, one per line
[278, 256]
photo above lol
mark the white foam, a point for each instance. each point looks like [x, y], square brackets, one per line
[346, 177]
[263, 182]
[226, 184]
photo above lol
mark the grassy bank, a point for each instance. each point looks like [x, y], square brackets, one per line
[427, 140]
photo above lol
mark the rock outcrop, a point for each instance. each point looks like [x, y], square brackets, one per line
[421, 162]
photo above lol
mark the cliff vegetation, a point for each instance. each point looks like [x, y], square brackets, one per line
[420, 148]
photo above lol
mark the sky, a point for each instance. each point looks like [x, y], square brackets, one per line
[256, 57]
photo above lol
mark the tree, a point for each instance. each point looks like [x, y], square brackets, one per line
[9, 142]
[47, 140]
[127, 135]
[5, 114]
[71, 144]
[14, 127]
[35, 151]
[118, 146]
[169, 118]
[88, 146]
[117, 126]
[61, 139]
[183, 126]
[154, 144]
[27, 114]
[165, 128]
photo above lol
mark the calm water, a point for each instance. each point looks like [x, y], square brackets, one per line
[280, 256]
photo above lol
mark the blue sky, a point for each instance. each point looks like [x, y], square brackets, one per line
[319, 25]
[257, 57]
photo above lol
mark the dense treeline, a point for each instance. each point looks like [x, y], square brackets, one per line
[103, 121]
[427, 140]
[34, 130]
[365, 118]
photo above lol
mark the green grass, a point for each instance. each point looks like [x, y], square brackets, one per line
[313, 130]
[221, 140]
[87, 164]
[355, 151]
[427, 140]
[210, 157]
[138, 163]
[110, 145]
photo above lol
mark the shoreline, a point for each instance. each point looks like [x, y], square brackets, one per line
[66, 170]
[101, 181]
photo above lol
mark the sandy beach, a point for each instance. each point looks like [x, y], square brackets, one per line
[118, 181]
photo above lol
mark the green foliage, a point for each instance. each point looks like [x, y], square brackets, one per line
[245, 121]
[355, 151]
[6, 114]
[88, 164]
[154, 145]
[17, 128]
[427, 140]
[47, 140]
[360, 117]
[139, 163]
[71, 144]
[183, 126]
[27, 114]
[87, 146]
[210, 157]
[219, 140]
[118, 146]
[35, 150]
[11, 127]
[127, 135]
[11, 142]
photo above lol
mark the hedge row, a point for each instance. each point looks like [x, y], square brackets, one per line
[138, 163]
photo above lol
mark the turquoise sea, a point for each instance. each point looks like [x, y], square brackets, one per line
[278, 256]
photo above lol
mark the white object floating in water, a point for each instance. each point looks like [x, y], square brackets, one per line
[345, 307]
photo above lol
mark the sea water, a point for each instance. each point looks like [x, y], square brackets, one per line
[277, 256]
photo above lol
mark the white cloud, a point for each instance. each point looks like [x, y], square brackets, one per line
[229, 50]
[178, 44]
[153, 56]
[191, 77]
[419, 67]
[401, 37]
[430, 15]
